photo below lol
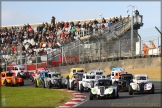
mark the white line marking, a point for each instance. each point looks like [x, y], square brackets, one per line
[72, 102]
[78, 99]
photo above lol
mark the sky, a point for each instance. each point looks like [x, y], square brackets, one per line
[16, 13]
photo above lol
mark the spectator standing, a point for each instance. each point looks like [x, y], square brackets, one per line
[145, 49]
[53, 21]
[103, 20]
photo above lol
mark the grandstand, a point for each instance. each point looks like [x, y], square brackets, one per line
[100, 34]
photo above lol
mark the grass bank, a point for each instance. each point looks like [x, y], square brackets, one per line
[34, 97]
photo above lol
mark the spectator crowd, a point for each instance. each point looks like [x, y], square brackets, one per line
[46, 35]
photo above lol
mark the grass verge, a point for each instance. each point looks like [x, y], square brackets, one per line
[34, 97]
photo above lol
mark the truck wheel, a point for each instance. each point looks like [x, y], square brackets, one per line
[49, 84]
[72, 85]
[43, 83]
[35, 83]
[152, 89]
[68, 86]
[5, 83]
[81, 88]
[117, 94]
[92, 84]
[114, 96]
[91, 96]
[116, 84]
[130, 90]
[22, 83]
[77, 86]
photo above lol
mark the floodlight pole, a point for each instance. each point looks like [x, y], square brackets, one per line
[132, 30]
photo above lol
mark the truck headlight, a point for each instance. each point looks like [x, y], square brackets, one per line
[109, 90]
[94, 90]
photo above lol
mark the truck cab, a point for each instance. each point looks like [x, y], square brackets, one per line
[115, 70]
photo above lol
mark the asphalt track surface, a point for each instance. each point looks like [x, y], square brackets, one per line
[124, 100]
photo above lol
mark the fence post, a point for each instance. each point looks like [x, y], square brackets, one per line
[36, 60]
[20, 53]
[119, 49]
[6, 63]
[79, 51]
[99, 50]
[62, 54]
[26, 66]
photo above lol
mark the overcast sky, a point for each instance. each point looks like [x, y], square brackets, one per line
[16, 13]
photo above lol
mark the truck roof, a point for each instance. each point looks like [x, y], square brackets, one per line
[141, 75]
[117, 69]
[54, 72]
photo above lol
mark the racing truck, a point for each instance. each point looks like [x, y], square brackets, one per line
[39, 80]
[123, 82]
[32, 75]
[74, 77]
[141, 84]
[103, 88]
[20, 71]
[54, 79]
[88, 81]
[97, 72]
[8, 79]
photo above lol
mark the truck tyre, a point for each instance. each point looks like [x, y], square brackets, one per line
[90, 96]
[22, 83]
[43, 84]
[35, 83]
[72, 85]
[68, 86]
[92, 84]
[77, 86]
[130, 90]
[49, 84]
[5, 83]
[81, 88]
[152, 89]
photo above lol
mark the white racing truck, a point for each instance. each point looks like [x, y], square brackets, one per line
[88, 81]
[103, 89]
[141, 84]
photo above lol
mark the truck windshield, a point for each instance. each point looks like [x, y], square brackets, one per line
[90, 77]
[9, 74]
[104, 83]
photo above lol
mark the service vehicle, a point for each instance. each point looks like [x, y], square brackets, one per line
[103, 88]
[20, 71]
[8, 79]
[141, 84]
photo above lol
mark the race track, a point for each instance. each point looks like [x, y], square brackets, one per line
[125, 99]
[147, 100]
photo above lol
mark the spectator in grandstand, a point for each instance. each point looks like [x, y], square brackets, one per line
[95, 21]
[103, 20]
[53, 21]
[113, 20]
[116, 19]
[120, 18]
[145, 49]
[103, 26]
[109, 23]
